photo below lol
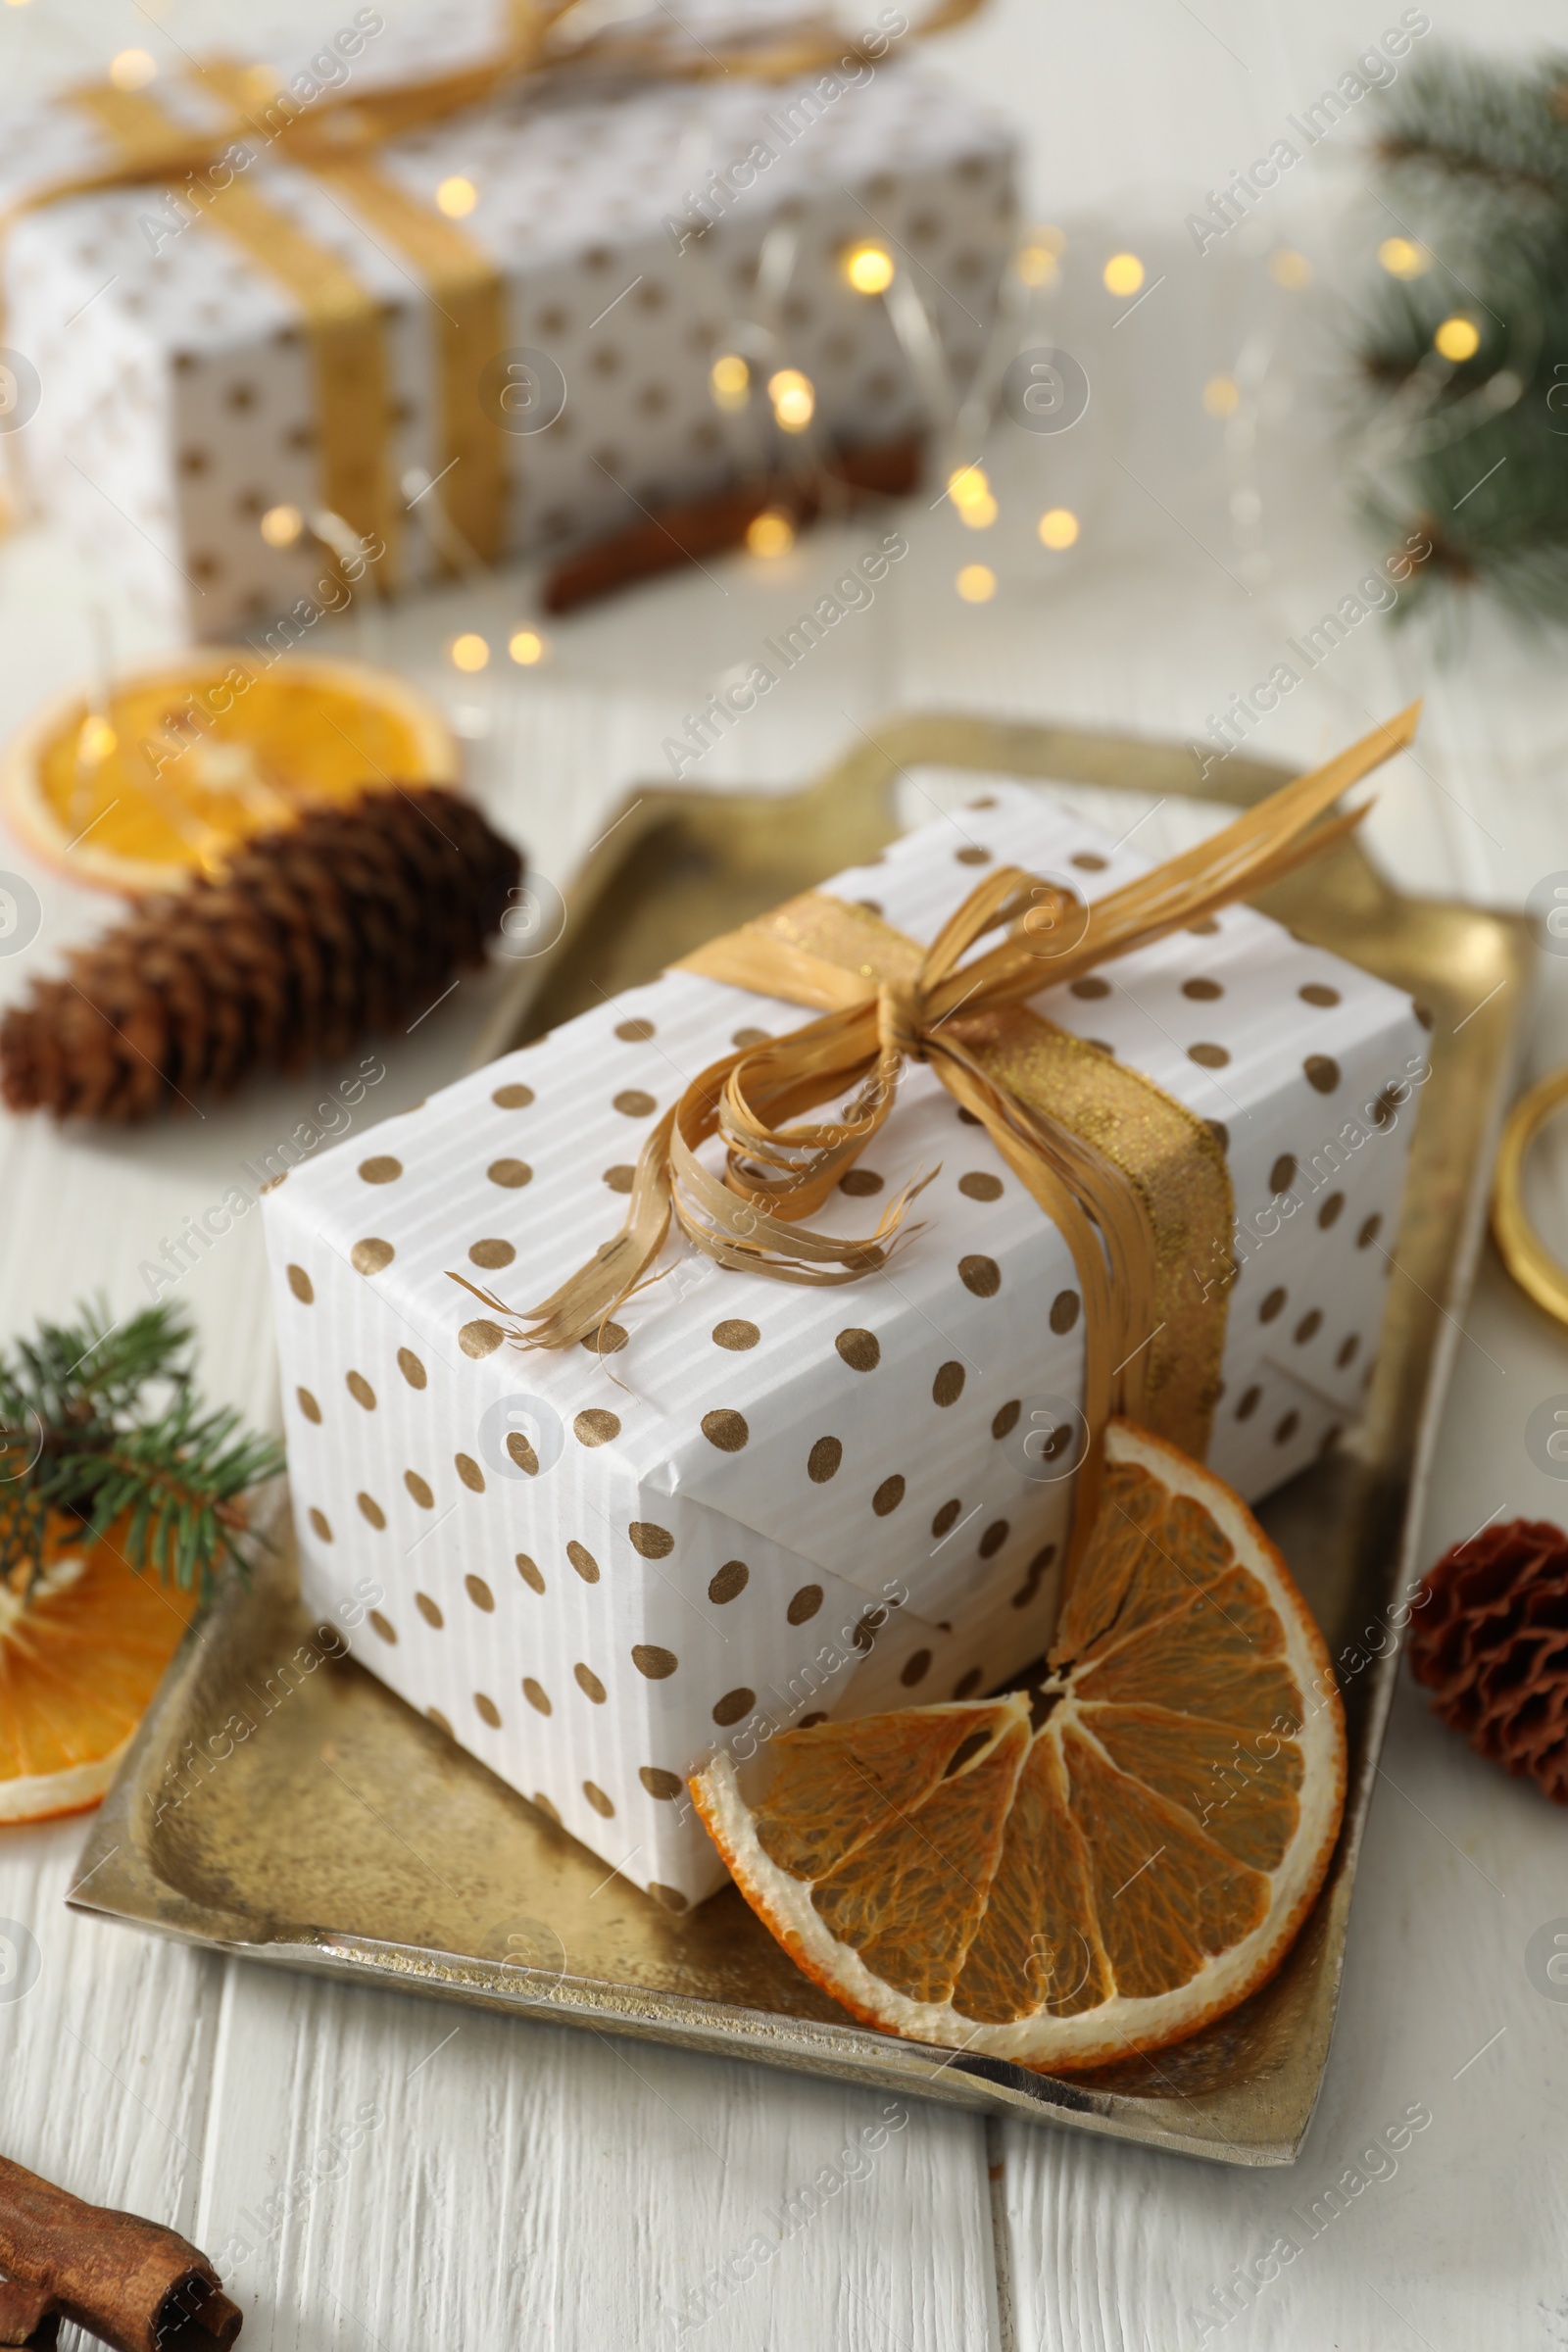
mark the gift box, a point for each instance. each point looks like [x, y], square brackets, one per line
[522, 303]
[750, 1503]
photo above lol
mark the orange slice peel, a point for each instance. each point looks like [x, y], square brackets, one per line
[182, 761]
[79, 1660]
[1098, 1867]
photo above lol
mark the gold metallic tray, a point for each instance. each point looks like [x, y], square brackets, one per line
[346, 1835]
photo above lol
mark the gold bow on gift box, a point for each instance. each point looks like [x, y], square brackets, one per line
[1136, 1183]
[336, 138]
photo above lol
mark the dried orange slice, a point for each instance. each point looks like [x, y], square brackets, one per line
[187, 759]
[79, 1659]
[1097, 1867]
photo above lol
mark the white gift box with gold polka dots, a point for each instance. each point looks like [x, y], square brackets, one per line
[764, 1502]
[176, 405]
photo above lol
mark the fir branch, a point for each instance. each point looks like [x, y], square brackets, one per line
[1461, 127]
[99, 1425]
[1475, 452]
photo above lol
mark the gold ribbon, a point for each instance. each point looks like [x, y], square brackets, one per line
[341, 318]
[1135, 1182]
[334, 138]
[466, 291]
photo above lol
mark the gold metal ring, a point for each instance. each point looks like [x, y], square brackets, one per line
[1523, 1252]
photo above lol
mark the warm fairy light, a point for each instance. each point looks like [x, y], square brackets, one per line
[1057, 528]
[1289, 268]
[526, 646]
[729, 380]
[469, 652]
[456, 197]
[976, 583]
[281, 525]
[132, 70]
[1222, 396]
[1402, 258]
[1123, 273]
[1458, 338]
[771, 533]
[96, 740]
[1038, 263]
[794, 399]
[868, 268]
[970, 493]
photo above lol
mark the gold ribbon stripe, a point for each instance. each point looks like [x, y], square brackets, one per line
[341, 317]
[463, 284]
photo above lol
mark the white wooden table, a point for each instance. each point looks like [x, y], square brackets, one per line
[517, 2184]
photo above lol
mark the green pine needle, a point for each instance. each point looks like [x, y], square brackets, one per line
[99, 1423]
[1474, 157]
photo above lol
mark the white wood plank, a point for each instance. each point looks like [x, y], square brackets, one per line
[106, 2041]
[527, 2184]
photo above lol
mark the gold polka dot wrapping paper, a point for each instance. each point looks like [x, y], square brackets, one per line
[749, 1503]
[246, 291]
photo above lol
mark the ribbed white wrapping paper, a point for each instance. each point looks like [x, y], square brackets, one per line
[773, 1501]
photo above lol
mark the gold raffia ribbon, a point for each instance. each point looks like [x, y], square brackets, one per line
[341, 318]
[335, 138]
[464, 286]
[1133, 1181]
[466, 291]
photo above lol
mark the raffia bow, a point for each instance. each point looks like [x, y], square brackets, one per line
[533, 46]
[885, 1002]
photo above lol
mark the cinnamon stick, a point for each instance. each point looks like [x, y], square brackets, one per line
[135, 2284]
[28, 2316]
[711, 526]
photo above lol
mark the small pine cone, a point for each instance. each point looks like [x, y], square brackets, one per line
[1489, 1633]
[344, 925]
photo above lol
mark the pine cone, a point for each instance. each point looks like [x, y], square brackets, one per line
[349, 922]
[1489, 1633]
